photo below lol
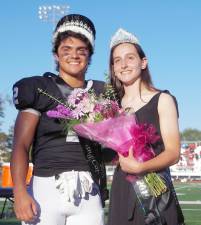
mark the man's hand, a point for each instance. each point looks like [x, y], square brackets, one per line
[25, 207]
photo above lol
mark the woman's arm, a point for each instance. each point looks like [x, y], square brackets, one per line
[170, 134]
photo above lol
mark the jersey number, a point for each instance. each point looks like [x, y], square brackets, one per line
[15, 95]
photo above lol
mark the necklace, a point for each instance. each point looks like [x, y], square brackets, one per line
[127, 104]
[128, 108]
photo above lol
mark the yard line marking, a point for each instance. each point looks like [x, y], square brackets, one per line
[191, 209]
[178, 188]
[190, 202]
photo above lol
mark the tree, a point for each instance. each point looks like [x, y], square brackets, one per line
[10, 137]
[4, 153]
[190, 134]
[3, 100]
[6, 145]
[5, 139]
[1, 107]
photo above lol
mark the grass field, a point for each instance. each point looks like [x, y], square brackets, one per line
[189, 195]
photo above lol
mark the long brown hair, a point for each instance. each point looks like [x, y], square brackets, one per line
[145, 74]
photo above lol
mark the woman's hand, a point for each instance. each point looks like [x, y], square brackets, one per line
[129, 164]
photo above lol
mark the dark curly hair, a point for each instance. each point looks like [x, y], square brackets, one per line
[66, 34]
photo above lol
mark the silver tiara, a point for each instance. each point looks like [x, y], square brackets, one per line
[77, 27]
[122, 36]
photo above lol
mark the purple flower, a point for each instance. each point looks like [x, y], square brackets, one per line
[60, 112]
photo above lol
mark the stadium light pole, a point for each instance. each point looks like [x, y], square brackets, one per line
[52, 13]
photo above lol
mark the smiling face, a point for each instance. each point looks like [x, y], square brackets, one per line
[73, 57]
[127, 64]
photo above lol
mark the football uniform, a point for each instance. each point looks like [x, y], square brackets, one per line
[54, 154]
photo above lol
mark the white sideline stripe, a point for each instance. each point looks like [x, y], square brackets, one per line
[191, 209]
[190, 202]
[178, 188]
[181, 202]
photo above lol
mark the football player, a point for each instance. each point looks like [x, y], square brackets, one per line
[68, 185]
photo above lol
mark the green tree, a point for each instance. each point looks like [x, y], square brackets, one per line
[3, 101]
[5, 152]
[10, 137]
[1, 107]
[190, 134]
[3, 141]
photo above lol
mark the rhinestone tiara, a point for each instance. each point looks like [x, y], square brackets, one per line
[77, 27]
[122, 36]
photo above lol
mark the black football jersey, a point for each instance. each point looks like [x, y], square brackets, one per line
[51, 152]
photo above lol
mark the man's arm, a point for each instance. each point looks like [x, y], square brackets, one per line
[25, 126]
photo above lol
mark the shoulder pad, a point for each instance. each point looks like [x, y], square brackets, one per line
[25, 92]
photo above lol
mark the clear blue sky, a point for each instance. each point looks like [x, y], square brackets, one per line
[169, 32]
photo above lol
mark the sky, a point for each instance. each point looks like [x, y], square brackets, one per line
[169, 32]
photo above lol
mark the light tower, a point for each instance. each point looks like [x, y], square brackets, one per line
[52, 13]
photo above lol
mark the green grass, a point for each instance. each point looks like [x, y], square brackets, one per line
[8, 217]
[11, 221]
[185, 192]
[190, 192]
[192, 217]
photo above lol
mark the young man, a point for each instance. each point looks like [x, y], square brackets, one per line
[69, 180]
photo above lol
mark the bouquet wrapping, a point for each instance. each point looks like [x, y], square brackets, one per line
[120, 133]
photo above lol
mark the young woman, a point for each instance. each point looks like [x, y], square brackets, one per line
[131, 78]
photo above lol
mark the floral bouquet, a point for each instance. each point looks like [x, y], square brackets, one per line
[83, 106]
[98, 118]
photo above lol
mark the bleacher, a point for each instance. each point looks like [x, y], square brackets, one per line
[189, 165]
